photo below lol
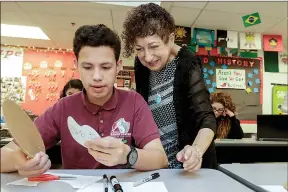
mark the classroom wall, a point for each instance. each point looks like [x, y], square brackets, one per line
[268, 78]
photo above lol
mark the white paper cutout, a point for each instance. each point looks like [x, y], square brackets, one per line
[43, 64]
[58, 64]
[27, 66]
[31, 94]
[81, 134]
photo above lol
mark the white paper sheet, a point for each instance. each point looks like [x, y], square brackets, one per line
[127, 187]
[99, 187]
[151, 186]
[274, 188]
[80, 182]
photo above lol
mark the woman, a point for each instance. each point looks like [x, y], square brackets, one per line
[228, 126]
[170, 80]
[71, 87]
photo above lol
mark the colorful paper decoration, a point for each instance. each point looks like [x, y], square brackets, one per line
[204, 37]
[251, 19]
[273, 43]
[227, 39]
[250, 41]
[182, 35]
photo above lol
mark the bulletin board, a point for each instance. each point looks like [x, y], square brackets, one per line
[241, 77]
[46, 72]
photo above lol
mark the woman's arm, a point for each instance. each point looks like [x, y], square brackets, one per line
[236, 131]
[199, 102]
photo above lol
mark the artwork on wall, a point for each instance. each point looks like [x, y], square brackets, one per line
[204, 37]
[250, 40]
[13, 88]
[279, 99]
[182, 35]
[241, 77]
[273, 43]
[227, 39]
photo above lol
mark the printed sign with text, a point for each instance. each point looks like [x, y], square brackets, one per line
[230, 79]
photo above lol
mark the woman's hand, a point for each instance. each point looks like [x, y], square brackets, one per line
[229, 113]
[191, 157]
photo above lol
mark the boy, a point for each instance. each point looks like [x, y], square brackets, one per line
[100, 106]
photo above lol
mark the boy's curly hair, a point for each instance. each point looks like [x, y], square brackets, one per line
[145, 20]
[226, 100]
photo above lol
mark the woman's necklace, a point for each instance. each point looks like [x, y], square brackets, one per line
[158, 97]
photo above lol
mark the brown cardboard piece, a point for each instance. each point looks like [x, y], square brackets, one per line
[22, 129]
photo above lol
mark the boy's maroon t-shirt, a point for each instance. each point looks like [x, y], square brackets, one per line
[124, 107]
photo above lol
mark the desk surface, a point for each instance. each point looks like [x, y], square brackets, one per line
[249, 142]
[175, 181]
[259, 174]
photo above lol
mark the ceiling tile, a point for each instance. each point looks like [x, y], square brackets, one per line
[198, 5]
[26, 42]
[74, 9]
[184, 16]
[47, 21]
[273, 9]
[231, 21]
[279, 29]
[16, 18]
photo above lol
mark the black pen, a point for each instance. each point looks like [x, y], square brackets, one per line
[146, 179]
[105, 182]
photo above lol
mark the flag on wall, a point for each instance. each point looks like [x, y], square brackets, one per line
[251, 19]
[250, 40]
[275, 62]
[273, 43]
[227, 39]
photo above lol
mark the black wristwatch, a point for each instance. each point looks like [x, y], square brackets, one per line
[132, 157]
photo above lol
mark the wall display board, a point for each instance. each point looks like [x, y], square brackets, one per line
[47, 73]
[242, 77]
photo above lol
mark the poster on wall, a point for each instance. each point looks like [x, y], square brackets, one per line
[227, 39]
[13, 88]
[203, 37]
[11, 61]
[273, 43]
[230, 79]
[250, 41]
[279, 99]
[182, 35]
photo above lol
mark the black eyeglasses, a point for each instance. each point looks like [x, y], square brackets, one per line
[220, 110]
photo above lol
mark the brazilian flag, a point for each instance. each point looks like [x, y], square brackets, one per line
[252, 19]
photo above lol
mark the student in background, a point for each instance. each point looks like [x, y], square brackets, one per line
[71, 87]
[169, 77]
[228, 126]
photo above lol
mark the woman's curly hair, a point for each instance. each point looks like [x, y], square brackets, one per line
[225, 124]
[145, 20]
